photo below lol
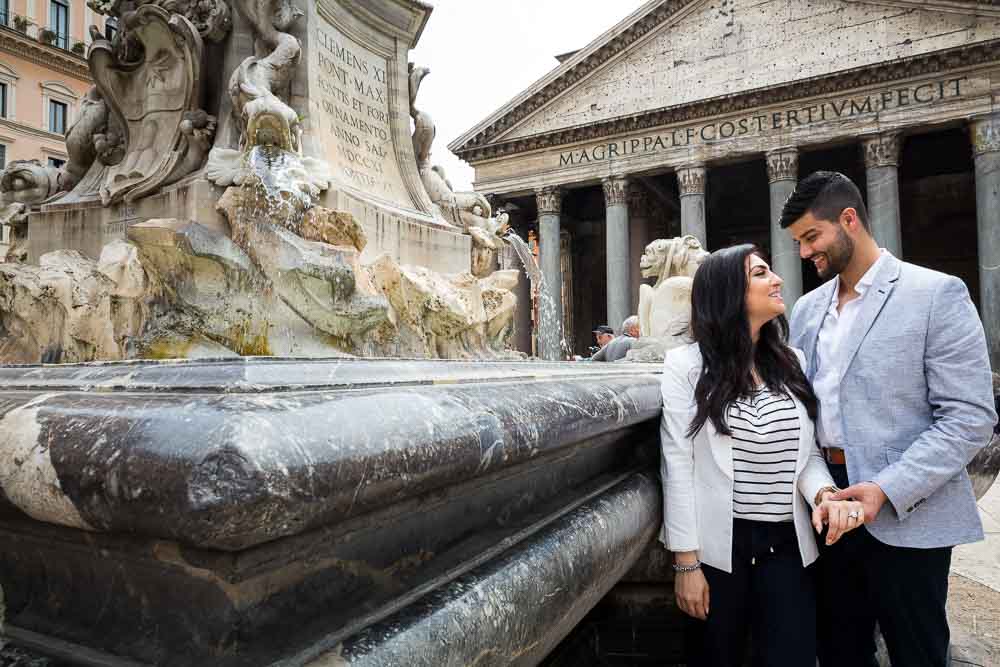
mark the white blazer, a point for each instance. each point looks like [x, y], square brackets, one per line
[697, 472]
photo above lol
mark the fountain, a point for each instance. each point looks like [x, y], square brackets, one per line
[259, 405]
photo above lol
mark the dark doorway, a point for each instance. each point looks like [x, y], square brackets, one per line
[583, 217]
[737, 206]
[937, 192]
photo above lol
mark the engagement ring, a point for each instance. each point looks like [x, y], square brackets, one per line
[852, 515]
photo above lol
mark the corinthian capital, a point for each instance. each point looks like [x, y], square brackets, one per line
[691, 180]
[882, 150]
[615, 190]
[549, 200]
[985, 134]
[782, 165]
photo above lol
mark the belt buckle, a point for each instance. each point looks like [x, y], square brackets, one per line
[835, 455]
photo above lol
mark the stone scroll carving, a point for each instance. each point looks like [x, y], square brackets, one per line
[211, 17]
[154, 101]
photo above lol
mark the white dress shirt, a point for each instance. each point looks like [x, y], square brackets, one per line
[826, 381]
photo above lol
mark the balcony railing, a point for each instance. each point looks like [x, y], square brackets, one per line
[44, 34]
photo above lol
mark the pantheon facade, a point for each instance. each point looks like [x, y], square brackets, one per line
[697, 117]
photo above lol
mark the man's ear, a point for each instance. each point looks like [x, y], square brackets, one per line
[849, 218]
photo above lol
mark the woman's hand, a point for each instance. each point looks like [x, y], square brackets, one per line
[691, 591]
[840, 516]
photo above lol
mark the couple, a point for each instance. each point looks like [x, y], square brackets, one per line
[845, 444]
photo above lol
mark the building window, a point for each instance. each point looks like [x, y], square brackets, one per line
[3, 100]
[110, 28]
[57, 117]
[3, 156]
[4, 12]
[56, 162]
[59, 22]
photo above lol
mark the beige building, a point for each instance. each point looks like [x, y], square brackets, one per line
[43, 76]
[697, 117]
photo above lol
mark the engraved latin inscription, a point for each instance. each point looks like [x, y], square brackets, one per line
[351, 96]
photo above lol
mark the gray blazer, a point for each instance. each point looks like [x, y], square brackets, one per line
[916, 399]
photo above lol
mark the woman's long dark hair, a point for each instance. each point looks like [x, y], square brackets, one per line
[720, 326]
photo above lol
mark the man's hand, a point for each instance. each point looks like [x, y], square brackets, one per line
[869, 494]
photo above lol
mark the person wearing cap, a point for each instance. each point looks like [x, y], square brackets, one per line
[620, 345]
[603, 334]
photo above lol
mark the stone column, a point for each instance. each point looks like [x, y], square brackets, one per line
[616, 225]
[782, 174]
[882, 164]
[691, 183]
[986, 149]
[550, 295]
[640, 234]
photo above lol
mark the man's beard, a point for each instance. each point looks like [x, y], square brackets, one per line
[838, 255]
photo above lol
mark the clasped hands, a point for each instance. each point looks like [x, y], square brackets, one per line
[844, 510]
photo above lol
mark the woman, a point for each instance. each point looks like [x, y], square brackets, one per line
[742, 472]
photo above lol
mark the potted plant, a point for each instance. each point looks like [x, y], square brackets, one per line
[46, 36]
[20, 23]
[79, 48]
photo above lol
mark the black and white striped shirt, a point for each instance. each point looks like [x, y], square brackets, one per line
[765, 430]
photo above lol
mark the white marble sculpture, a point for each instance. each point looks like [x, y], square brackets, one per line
[665, 307]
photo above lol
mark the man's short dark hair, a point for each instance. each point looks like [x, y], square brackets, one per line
[824, 194]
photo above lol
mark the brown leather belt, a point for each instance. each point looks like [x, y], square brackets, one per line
[834, 455]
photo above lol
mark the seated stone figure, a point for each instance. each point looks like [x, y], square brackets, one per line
[665, 307]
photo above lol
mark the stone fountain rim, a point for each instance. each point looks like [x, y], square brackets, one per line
[276, 374]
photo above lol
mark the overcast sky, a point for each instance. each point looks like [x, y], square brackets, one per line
[484, 52]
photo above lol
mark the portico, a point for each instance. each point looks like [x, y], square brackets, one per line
[679, 93]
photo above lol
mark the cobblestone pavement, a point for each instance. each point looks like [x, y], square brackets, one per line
[974, 592]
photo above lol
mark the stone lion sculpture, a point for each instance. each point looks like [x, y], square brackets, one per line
[665, 307]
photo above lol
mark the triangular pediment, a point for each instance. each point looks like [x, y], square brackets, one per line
[671, 53]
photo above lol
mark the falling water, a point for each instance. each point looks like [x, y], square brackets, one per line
[275, 198]
[278, 172]
[527, 259]
[547, 319]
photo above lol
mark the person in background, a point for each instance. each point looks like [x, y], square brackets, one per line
[620, 345]
[603, 335]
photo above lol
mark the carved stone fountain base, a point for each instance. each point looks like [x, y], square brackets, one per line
[87, 225]
[359, 512]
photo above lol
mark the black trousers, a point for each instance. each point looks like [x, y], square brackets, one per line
[769, 596]
[862, 581]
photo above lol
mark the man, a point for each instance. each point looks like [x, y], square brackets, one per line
[603, 334]
[897, 357]
[619, 346]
